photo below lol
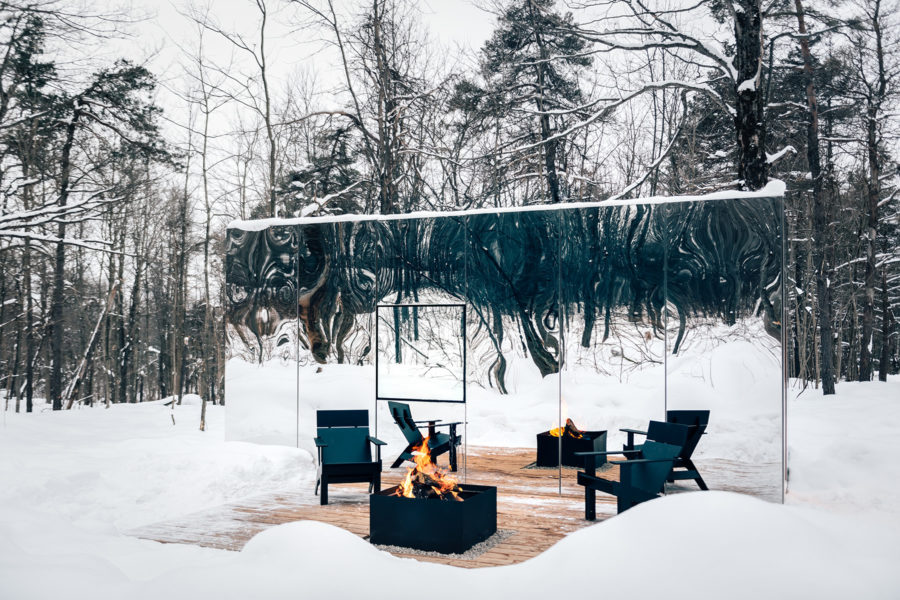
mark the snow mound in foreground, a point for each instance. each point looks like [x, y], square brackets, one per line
[695, 545]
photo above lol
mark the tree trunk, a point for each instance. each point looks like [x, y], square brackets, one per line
[57, 328]
[887, 329]
[872, 194]
[122, 337]
[749, 120]
[29, 327]
[131, 325]
[387, 117]
[823, 285]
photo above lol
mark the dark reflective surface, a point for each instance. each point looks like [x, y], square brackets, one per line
[724, 336]
[261, 329]
[614, 320]
[608, 315]
[514, 335]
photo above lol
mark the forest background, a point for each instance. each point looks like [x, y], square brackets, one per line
[125, 152]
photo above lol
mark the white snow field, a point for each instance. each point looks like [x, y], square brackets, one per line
[71, 482]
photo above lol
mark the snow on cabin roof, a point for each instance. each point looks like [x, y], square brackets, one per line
[773, 189]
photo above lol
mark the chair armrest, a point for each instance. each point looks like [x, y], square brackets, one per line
[638, 461]
[637, 431]
[428, 421]
[449, 424]
[607, 453]
[320, 443]
[376, 441]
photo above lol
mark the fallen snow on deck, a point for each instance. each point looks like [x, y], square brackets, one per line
[71, 482]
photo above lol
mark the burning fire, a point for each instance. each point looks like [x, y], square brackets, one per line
[427, 480]
[569, 429]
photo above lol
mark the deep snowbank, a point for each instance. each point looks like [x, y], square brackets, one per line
[728, 546]
[129, 465]
[70, 482]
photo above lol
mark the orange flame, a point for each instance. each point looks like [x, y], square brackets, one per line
[569, 429]
[425, 472]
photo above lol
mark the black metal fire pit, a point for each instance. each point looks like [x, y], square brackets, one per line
[548, 448]
[447, 526]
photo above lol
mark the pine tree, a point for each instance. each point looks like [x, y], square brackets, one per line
[531, 65]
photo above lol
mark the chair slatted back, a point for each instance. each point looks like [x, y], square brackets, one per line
[345, 445]
[342, 418]
[346, 433]
[651, 477]
[668, 433]
[696, 420]
[403, 419]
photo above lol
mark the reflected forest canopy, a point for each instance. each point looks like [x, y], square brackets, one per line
[535, 282]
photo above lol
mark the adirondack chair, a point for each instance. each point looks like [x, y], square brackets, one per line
[696, 421]
[642, 476]
[345, 454]
[438, 443]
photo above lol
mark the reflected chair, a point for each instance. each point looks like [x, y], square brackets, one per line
[696, 421]
[438, 443]
[345, 450]
[642, 475]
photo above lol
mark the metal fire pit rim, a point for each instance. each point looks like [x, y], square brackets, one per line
[466, 488]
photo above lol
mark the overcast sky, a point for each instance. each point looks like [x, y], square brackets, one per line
[163, 30]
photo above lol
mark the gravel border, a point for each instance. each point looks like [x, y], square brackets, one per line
[472, 553]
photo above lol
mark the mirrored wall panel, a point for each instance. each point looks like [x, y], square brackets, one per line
[261, 328]
[724, 290]
[421, 263]
[336, 307]
[514, 338]
[523, 328]
[614, 292]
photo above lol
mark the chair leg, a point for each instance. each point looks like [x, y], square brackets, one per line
[316, 493]
[402, 457]
[454, 442]
[452, 458]
[590, 504]
[376, 482]
[691, 466]
[323, 497]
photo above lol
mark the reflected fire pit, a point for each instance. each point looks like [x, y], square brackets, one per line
[429, 510]
[573, 440]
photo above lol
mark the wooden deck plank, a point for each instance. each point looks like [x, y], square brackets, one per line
[531, 502]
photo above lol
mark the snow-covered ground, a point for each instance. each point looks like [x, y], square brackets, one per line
[735, 371]
[71, 482]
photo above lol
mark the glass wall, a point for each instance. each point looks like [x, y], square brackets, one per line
[261, 328]
[724, 266]
[514, 336]
[614, 292]
[336, 304]
[605, 314]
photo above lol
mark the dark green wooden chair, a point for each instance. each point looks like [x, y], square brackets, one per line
[642, 475]
[345, 450]
[438, 442]
[684, 469]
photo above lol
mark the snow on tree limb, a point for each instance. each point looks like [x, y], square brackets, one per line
[773, 158]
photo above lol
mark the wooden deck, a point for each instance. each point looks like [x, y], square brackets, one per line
[530, 502]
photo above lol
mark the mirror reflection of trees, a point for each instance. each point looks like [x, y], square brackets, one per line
[522, 273]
